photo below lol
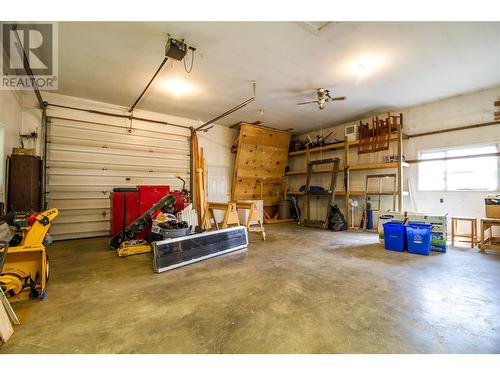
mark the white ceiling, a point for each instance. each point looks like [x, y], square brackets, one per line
[413, 63]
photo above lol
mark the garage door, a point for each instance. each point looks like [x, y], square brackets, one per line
[86, 160]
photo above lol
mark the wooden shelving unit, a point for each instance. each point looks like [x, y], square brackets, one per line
[396, 136]
[353, 193]
[358, 167]
[333, 146]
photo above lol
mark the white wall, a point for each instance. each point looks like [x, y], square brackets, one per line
[458, 111]
[10, 126]
[216, 142]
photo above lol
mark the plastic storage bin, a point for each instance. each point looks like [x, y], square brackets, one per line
[419, 238]
[394, 236]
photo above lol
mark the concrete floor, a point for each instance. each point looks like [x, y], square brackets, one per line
[301, 291]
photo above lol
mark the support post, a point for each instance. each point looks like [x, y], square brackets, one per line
[43, 143]
[346, 182]
[400, 162]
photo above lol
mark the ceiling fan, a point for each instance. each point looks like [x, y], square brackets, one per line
[323, 97]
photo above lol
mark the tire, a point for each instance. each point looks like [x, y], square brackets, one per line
[47, 268]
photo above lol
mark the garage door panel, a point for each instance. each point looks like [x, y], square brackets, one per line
[77, 195]
[81, 204]
[167, 168]
[106, 181]
[80, 151]
[77, 219]
[169, 147]
[85, 161]
[148, 131]
[89, 226]
[95, 212]
[59, 133]
[116, 160]
[105, 172]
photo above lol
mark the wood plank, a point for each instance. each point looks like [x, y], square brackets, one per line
[455, 129]
[261, 158]
[358, 167]
[454, 157]
[370, 166]
[278, 221]
[354, 192]
[6, 329]
[334, 146]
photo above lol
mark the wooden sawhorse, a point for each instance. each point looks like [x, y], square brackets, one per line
[230, 215]
[253, 215]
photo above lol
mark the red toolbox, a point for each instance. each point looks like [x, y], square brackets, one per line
[127, 204]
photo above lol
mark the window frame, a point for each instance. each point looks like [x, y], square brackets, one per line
[456, 147]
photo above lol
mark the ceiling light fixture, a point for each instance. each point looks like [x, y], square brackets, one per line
[365, 65]
[177, 87]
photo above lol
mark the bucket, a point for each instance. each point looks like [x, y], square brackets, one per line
[394, 236]
[419, 238]
[284, 209]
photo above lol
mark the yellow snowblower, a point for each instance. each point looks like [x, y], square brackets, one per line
[26, 268]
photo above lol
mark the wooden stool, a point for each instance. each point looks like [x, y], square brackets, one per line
[230, 215]
[472, 235]
[254, 215]
[490, 243]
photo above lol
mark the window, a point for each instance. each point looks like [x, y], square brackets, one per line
[479, 173]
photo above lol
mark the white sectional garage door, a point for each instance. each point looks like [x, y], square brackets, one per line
[86, 160]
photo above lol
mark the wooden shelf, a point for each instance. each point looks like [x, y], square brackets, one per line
[278, 221]
[363, 167]
[348, 149]
[338, 193]
[359, 167]
[334, 146]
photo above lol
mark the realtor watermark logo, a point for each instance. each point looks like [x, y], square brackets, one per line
[29, 46]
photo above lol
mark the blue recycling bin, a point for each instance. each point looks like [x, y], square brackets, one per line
[394, 236]
[419, 238]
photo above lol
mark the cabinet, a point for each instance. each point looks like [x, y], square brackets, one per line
[24, 183]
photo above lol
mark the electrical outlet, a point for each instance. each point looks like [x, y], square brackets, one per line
[441, 200]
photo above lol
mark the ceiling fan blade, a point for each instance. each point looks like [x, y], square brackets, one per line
[338, 98]
[314, 101]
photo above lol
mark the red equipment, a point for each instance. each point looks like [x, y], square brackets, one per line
[127, 204]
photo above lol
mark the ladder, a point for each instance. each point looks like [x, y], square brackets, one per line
[379, 194]
[305, 212]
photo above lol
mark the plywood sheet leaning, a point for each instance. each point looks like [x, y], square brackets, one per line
[6, 329]
[201, 188]
[261, 159]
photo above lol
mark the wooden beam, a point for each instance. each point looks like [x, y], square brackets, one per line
[454, 129]
[497, 103]
[400, 164]
[453, 157]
